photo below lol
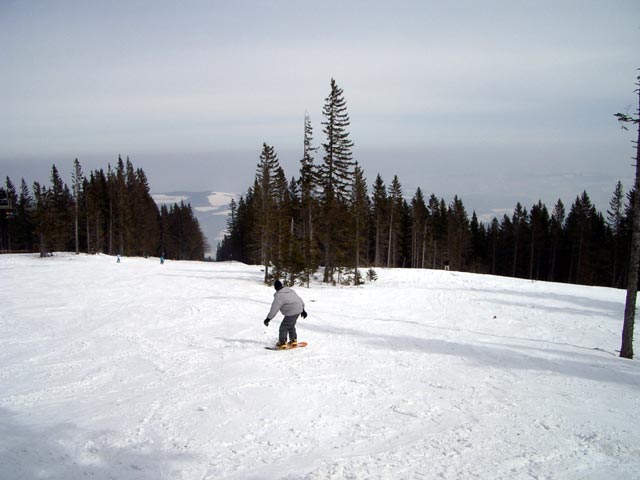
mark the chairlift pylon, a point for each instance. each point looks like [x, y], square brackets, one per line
[6, 209]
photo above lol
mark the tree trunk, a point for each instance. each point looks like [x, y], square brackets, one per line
[626, 350]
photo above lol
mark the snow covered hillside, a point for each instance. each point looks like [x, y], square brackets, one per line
[137, 370]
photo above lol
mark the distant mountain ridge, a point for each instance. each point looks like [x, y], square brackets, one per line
[210, 208]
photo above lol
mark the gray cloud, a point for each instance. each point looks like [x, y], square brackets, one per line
[495, 93]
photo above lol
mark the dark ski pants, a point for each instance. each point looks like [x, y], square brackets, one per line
[288, 326]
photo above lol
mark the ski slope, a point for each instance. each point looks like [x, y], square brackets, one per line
[137, 370]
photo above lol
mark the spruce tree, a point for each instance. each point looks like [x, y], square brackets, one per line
[380, 207]
[459, 234]
[265, 189]
[308, 186]
[419, 217]
[77, 181]
[539, 227]
[335, 176]
[61, 202]
[395, 212]
[615, 219]
[556, 232]
[9, 200]
[360, 215]
[43, 214]
[24, 219]
[519, 221]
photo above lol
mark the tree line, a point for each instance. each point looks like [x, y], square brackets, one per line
[327, 216]
[110, 212]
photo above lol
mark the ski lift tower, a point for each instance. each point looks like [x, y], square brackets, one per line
[6, 208]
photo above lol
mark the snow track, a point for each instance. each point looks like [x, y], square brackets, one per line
[145, 371]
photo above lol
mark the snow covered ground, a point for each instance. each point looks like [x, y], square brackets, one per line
[137, 370]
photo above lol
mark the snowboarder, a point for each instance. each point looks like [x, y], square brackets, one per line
[291, 305]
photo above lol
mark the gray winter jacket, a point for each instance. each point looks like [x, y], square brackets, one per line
[286, 301]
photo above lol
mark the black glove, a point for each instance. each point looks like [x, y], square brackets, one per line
[304, 314]
[266, 322]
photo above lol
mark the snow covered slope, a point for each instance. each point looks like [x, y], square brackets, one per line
[137, 370]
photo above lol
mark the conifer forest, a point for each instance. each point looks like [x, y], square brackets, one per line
[110, 213]
[330, 216]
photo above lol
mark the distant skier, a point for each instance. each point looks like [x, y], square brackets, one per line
[291, 305]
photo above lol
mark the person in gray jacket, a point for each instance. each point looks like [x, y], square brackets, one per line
[288, 302]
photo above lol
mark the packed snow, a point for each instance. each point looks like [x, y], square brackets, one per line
[137, 370]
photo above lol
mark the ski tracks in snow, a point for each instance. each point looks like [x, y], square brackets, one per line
[159, 372]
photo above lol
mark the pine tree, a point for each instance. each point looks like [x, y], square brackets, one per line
[556, 232]
[579, 226]
[459, 234]
[265, 188]
[419, 218]
[519, 221]
[380, 207]
[337, 168]
[61, 203]
[539, 228]
[308, 185]
[282, 231]
[478, 244]
[494, 233]
[360, 215]
[42, 216]
[395, 210]
[122, 204]
[335, 176]
[438, 249]
[24, 219]
[615, 219]
[77, 180]
[9, 200]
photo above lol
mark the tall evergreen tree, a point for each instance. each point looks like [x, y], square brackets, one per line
[459, 234]
[43, 217]
[8, 202]
[579, 228]
[24, 221]
[395, 218]
[308, 184]
[494, 233]
[335, 176]
[360, 214]
[615, 219]
[380, 207]
[539, 229]
[61, 218]
[556, 231]
[265, 190]
[519, 221]
[419, 218]
[77, 181]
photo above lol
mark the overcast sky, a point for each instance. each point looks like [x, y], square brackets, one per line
[490, 100]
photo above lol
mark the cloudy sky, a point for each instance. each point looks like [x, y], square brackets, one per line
[496, 101]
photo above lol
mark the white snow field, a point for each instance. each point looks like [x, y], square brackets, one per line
[137, 370]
